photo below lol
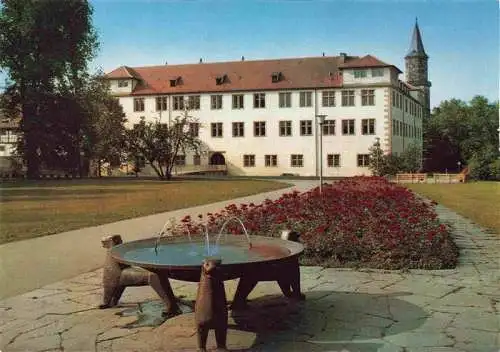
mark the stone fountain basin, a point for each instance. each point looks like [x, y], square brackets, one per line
[180, 259]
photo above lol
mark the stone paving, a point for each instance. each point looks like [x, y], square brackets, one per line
[345, 310]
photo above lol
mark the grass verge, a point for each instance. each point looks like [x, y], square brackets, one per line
[38, 208]
[478, 201]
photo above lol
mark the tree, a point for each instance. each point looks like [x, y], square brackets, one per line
[160, 143]
[45, 47]
[411, 158]
[103, 133]
[378, 160]
[461, 132]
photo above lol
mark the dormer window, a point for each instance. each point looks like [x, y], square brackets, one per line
[174, 81]
[221, 79]
[276, 77]
[122, 84]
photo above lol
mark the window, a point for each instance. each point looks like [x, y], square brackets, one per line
[194, 129]
[194, 102]
[237, 101]
[297, 160]
[174, 81]
[329, 127]
[333, 160]
[305, 99]
[178, 102]
[216, 102]
[348, 127]
[122, 84]
[406, 105]
[363, 160]
[359, 73]
[8, 136]
[285, 100]
[393, 98]
[306, 128]
[238, 129]
[367, 97]
[220, 79]
[249, 160]
[161, 103]
[271, 160]
[276, 77]
[368, 126]
[180, 160]
[347, 98]
[178, 127]
[259, 100]
[2, 148]
[216, 128]
[285, 128]
[377, 72]
[196, 159]
[138, 104]
[328, 98]
[259, 128]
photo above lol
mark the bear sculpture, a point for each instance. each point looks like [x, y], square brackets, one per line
[211, 305]
[117, 276]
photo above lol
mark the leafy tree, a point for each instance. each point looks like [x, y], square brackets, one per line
[378, 161]
[160, 143]
[103, 133]
[411, 158]
[45, 47]
[463, 132]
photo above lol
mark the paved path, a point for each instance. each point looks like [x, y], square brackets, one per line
[30, 264]
[346, 310]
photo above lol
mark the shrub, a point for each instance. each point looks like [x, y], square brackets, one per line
[360, 221]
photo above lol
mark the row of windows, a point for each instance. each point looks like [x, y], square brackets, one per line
[409, 106]
[375, 72]
[297, 160]
[259, 100]
[403, 129]
[306, 128]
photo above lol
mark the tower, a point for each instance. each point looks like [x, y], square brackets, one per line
[416, 68]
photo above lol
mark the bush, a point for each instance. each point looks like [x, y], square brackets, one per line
[484, 165]
[360, 221]
[495, 170]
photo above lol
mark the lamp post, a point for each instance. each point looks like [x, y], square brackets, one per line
[321, 120]
[459, 163]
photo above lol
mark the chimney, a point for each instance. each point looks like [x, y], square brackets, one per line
[323, 53]
[201, 60]
[166, 62]
[343, 57]
[242, 58]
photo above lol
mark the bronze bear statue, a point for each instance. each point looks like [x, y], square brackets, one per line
[211, 305]
[117, 276]
[286, 273]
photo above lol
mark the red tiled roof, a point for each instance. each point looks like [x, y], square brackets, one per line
[297, 73]
[367, 61]
[122, 72]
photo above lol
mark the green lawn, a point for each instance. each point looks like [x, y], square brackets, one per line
[37, 208]
[478, 201]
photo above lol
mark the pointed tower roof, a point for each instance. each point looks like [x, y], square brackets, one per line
[416, 46]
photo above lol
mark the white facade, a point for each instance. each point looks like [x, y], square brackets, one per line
[377, 112]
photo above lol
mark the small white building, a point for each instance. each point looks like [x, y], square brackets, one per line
[261, 118]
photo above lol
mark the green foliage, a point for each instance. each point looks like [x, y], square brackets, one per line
[103, 134]
[381, 164]
[160, 143]
[495, 170]
[463, 132]
[483, 165]
[45, 47]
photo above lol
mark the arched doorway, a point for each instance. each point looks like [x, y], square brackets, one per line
[217, 159]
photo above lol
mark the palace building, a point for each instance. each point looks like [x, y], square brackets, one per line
[263, 117]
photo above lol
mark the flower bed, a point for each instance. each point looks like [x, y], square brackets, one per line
[357, 222]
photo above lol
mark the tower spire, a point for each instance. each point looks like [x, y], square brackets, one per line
[416, 45]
